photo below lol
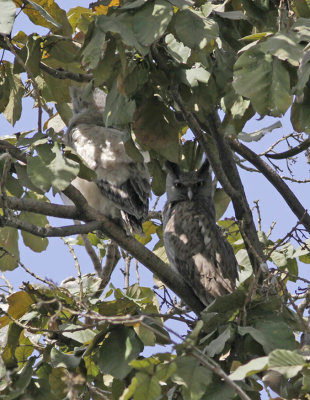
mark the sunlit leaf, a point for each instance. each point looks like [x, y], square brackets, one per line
[7, 16]
[252, 367]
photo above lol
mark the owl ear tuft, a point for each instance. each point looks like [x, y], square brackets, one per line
[172, 167]
[204, 169]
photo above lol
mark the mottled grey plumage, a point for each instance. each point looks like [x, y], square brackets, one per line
[194, 244]
[122, 188]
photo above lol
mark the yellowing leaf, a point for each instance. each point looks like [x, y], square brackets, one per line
[19, 304]
[103, 10]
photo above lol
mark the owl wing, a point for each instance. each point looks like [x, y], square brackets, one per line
[131, 196]
[197, 250]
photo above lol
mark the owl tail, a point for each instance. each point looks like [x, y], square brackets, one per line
[131, 224]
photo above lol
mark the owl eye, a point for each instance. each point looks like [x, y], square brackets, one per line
[199, 183]
[178, 185]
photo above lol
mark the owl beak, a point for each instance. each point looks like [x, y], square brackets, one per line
[190, 193]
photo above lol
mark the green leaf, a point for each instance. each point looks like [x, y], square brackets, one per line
[264, 80]
[194, 29]
[270, 334]
[284, 46]
[155, 125]
[192, 376]
[177, 49]
[221, 309]
[217, 345]
[121, 347]
[193, 76]
[81, 336]
[252, 367]
[300, 116]
[7, 16]
[23, 380]
[9, 243]
[118, 110]
[60, 359]
[35, 243]
[286, 362]
[147, 387]
[160, 251]
[134, 30]
[52, 169]
[33, 54]
[244, 261]
[92, 52]
[13, 108]
[24, 350]
[51, 90]
[157, 15]
[221, 202]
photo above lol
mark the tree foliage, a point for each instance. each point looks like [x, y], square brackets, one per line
[167, 66]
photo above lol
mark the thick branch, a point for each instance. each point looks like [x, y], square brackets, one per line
[96, 221]
[39, 207]
[291, 152]
[60, 74]
[50, 231]
[291, 200]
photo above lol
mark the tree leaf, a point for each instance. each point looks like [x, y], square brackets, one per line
[7, 16]
[22, 381]
[35, 243]
[284, 46]
[286, 362]
[221, 202]
[194, 29]
[13, 108]
[192, 376]
[158, 15]
[52, 169]
[264, 80]
[121, 347]
[93, 51]
[19, 303]
[300, 116]
[48, 14]
[60, 359]
[217, 345]
[118, 110]
[271, 334]
[177, 49]
[9, 242]
[155, 125]
[252, 367]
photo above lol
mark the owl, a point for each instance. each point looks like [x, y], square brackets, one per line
[122, 188]
[195, 246]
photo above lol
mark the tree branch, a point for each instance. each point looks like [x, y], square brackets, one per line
[60, 74]
[96, 221]
[291, 200]
[291, 152]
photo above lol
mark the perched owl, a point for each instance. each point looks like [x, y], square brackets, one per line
[122, 188]
[194, 243]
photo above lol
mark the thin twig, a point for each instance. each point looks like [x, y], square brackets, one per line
[77, 266]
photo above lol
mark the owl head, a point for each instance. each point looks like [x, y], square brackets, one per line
[188, 185]
[86, 98]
